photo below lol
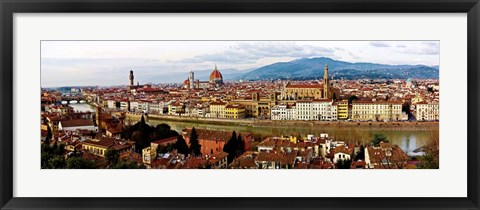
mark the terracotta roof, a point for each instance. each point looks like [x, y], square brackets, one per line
[343, 149]
[394, 153]
[305, 86]
[76, 123]
[170, 139]
[107, 142]
[235, 106]
[215, 75]
[217, 103]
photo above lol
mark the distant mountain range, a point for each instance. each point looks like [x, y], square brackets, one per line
[312, 68]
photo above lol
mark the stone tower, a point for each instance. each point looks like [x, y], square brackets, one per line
[98, 117]
[191, 80]
[131, 77]
[326, 83]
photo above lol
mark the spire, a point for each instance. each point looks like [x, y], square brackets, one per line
[325, 71]
[215, 66]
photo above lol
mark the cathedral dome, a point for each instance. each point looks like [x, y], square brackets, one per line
[216, 77]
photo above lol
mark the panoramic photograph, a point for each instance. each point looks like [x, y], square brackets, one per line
[240, 104]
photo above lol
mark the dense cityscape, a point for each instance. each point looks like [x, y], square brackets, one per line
[118, 133]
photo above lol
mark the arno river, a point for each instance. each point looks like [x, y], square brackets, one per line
[408, 140]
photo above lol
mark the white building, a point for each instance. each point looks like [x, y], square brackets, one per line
[283, 112]
[376, 111]
[80, 124]
[143, 106]
[427, 111]
[124, 105]
[343, 153]
[134, 106]
[155, 107]
[111, 104]
[318, 109]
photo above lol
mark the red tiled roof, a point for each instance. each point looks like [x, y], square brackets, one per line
[76, 123]
[305, 86]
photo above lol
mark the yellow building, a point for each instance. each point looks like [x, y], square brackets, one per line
[342, 110]
[176, 109]
[376, 110]
[149, 154]
[100, 146]
[217, 109]
[235, 111]
[258, 105]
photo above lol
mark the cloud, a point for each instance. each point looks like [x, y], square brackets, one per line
[379, 44]
[250, 52]
[425, 48]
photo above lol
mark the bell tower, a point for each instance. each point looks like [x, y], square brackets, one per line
[191, 80]
[131, 77]
[326, 82]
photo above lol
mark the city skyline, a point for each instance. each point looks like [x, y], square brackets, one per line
[69, 63]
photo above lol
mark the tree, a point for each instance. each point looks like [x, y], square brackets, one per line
[406, 107]
[112, 156]
[141, 139]
[352, 98]
[343, 164]
[231, 147]
[57, 162]
[377, 138]
[431, 149]
[127, 165]
[164, 149]
[195, 147]
[360, 154]
[334, 97]
[143, 134]
[181, 145]
[80, 163]
[58, 149]
[163, 131]
[49, 135]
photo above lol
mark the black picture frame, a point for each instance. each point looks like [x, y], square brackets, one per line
[9, 7]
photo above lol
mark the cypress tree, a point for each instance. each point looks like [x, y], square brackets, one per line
[240, 145]
[49, 135]
[231, 147]
[195, 147]
[181, 145]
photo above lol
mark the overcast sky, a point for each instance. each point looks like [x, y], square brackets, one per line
[72, 63]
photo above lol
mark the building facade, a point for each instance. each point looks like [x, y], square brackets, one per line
[427, 111]
[308, 91]
[376, 111]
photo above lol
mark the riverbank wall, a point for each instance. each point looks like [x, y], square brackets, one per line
[273, 123]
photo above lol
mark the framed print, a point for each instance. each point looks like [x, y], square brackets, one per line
[239, 105]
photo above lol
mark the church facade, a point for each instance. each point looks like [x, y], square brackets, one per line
[308, 91]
